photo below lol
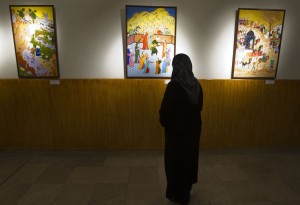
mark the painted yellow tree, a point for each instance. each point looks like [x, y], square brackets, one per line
[273, 18]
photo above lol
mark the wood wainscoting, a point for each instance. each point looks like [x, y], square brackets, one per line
[111, 114]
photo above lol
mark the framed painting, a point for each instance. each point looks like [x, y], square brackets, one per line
[34, 34]
[258, 37]
[150, 41]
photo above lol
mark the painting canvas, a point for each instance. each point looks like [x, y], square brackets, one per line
[150, 41]
[258, 40]
[35, 41]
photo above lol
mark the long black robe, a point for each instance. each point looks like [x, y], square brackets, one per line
[182, 122]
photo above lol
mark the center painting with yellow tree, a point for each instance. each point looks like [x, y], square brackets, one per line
[150, 35]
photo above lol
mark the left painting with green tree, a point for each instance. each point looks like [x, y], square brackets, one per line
[34, 33]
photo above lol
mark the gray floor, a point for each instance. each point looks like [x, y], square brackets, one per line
[226, 177]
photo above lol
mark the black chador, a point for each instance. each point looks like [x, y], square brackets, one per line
[180, 114]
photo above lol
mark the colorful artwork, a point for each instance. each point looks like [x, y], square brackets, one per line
[35, 41]
[257, 43]
[150, 47]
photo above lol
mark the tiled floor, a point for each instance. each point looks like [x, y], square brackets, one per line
[226, 177]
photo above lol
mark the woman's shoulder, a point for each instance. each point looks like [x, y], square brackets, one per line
[174, 85]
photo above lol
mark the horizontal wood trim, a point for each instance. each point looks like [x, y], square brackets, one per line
[123, 114]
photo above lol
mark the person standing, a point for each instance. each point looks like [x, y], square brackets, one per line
[180, 115]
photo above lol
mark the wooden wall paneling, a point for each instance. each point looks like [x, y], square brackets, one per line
[24, 114]
[147, 96]
[123, 114]
[249, 113]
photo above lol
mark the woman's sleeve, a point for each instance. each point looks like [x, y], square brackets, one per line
[167, 109]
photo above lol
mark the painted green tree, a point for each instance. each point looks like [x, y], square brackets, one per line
[21, 13]
[32, 14]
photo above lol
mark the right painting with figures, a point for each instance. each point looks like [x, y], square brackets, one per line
[258, 37]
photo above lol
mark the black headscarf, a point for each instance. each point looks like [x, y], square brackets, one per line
[183, 74]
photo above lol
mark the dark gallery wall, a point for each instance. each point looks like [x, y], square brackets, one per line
[90, 36]
[95, 107]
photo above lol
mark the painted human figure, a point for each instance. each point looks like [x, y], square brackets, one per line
[276, 49]
[249, 40]
[253, 67]
[149, 39]
[146, 65]
[163, 66]
[142, 61]
[137, 53]
[128, 54]
[145, 41]
[131, 62]
[164, 44]
[168, 58]
[263, 58]
[272, 61]
[157, 67]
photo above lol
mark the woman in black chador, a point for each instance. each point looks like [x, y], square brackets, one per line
[180, 114]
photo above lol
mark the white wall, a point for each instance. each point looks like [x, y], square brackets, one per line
[90, 35]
